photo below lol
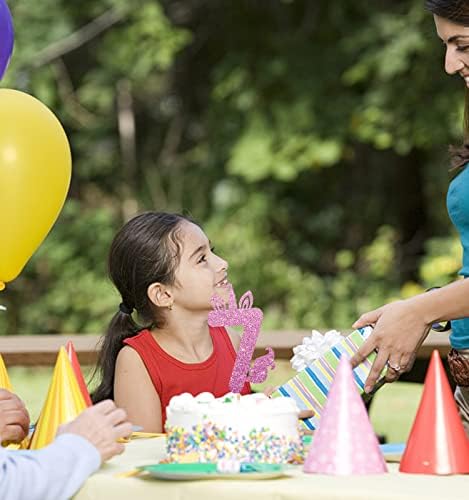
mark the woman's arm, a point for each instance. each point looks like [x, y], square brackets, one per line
[446, 303]
[401, 327]
[135, 392]
[55, 472]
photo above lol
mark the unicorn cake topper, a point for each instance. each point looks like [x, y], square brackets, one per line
[250, 318]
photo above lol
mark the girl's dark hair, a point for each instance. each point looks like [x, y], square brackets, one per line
[146, 250]
[456, 11]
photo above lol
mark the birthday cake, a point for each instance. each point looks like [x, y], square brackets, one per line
[252, 428]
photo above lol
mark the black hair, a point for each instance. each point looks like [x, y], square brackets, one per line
[456, 11]
[146, 250]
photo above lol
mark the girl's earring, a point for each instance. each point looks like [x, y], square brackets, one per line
[170, 307]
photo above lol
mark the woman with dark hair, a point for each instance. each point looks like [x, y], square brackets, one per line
[400, 327]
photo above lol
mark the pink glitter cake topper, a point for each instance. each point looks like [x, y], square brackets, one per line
[250, 318]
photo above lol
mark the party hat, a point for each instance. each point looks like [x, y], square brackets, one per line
[64, 402]
[344, 443]
[72, 356]
[4, 378]
[437, 443]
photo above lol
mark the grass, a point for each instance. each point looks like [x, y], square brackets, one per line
[392, 411]
[394, 408]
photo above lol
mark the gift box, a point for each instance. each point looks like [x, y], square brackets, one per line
[310, 387]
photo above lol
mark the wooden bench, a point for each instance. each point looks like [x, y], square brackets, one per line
[33, 350]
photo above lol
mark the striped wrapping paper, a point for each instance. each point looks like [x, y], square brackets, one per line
[309, 388]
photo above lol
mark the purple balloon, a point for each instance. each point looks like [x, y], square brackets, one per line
[6, 37]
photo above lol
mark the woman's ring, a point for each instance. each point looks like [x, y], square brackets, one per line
[396, 368]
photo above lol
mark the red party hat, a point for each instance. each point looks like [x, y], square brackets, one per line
[345, 443]
[437, 443]
[72, 356]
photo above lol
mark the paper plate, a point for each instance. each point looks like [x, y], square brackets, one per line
[204, 471]
[392, 451]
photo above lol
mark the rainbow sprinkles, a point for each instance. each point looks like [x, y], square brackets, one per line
[251, 428]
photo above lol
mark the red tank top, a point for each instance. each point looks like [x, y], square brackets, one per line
[172, 377]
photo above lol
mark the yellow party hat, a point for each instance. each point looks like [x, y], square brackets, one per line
[4, 378]
[64, 402]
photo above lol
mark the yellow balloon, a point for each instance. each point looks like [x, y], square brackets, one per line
[35, 171]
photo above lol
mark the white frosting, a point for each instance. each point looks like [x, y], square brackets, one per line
[240, 413]
[313, 348]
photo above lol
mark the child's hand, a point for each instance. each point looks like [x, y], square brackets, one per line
[303, 413]
[306, 414]
[269, 390]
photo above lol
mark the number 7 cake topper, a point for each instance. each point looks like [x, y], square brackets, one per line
[250, 318]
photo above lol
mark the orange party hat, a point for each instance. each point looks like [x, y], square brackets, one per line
[64, 402]
[72, 356]
[437, 443]
[344, 443]
[4, 378]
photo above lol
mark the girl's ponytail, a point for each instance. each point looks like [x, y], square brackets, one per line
[145, 251]
[121, 327]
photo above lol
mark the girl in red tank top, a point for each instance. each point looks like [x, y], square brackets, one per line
[166, 272]
[171, 377]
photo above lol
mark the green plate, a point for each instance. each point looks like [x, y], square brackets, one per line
[198, 471]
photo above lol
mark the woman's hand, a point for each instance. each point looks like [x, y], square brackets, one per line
[14, 418]
[102, 425]
[399, 329]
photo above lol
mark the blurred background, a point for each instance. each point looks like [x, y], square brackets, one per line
[309, 138]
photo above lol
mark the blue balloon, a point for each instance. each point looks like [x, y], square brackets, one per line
[6, 37]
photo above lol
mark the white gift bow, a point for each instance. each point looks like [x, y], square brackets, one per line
[313, 348]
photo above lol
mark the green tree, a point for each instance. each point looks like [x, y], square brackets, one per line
[309, 137]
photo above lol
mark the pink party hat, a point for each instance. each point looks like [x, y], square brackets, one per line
[344, 443]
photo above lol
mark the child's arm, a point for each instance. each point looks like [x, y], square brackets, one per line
[135, 392]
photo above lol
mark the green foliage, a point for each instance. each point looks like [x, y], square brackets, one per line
[73, 258]
[308, 138]
[442, 262]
